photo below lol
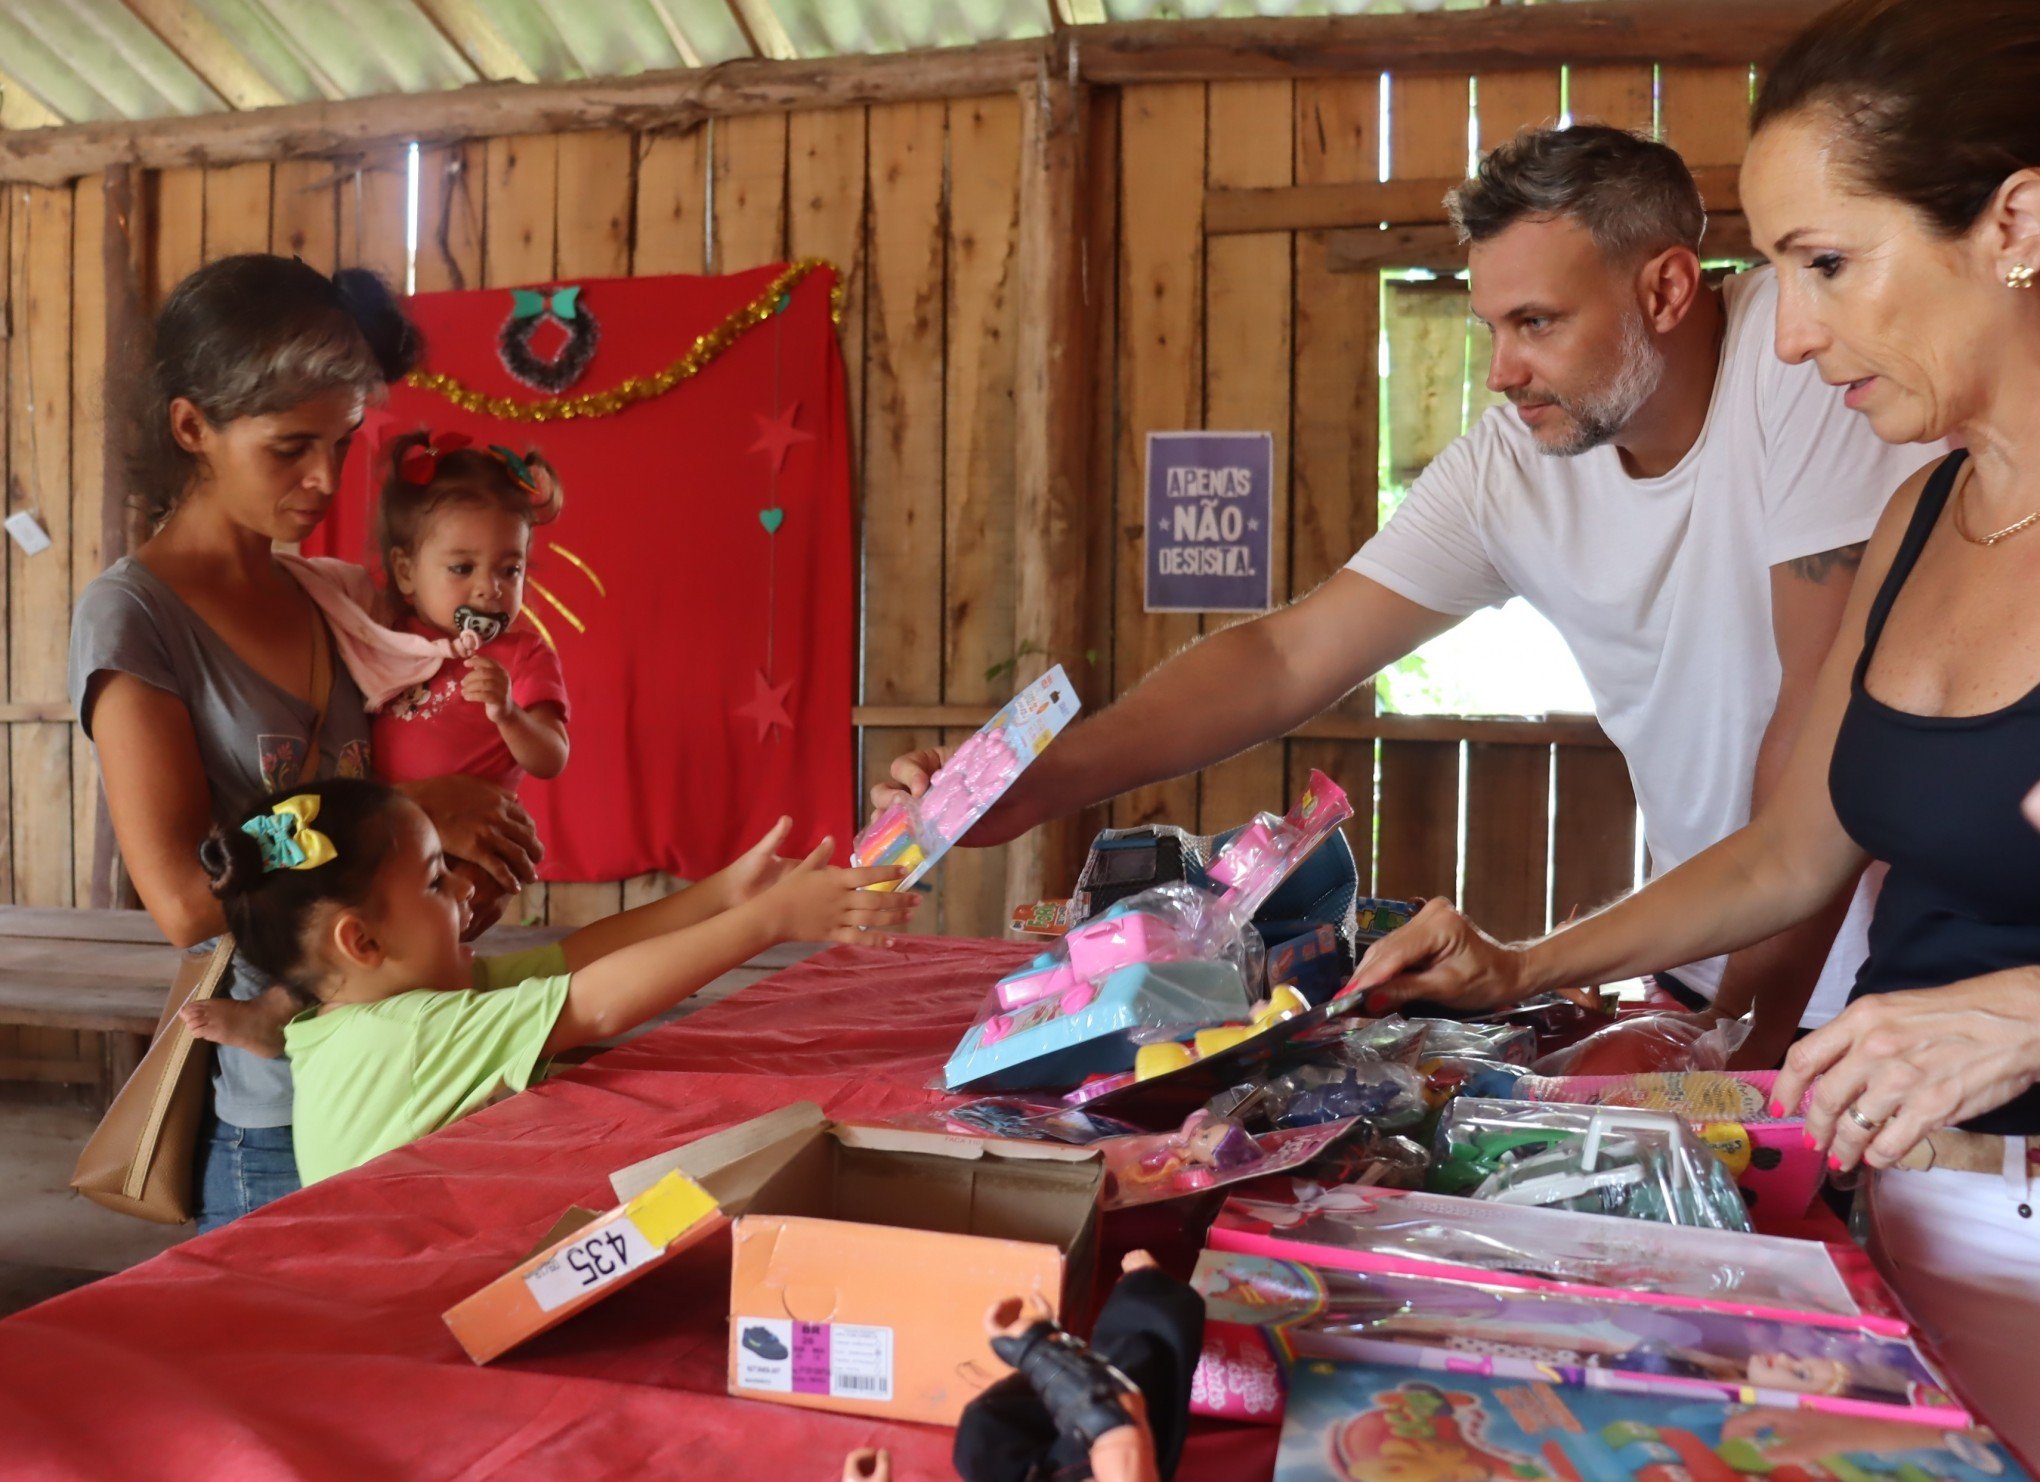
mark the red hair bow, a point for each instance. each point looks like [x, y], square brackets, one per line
[420, 463]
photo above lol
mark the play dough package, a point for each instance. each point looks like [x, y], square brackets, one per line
[916, 834]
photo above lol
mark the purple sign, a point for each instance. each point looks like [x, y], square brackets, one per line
[1209, 501]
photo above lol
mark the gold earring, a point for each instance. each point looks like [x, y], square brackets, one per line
[2021, 275]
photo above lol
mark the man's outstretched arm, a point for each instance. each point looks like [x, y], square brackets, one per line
[1217, 697]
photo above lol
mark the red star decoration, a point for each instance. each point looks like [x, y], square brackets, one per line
[767, 708]
[777, 433]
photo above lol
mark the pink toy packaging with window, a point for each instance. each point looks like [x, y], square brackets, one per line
[916, 834]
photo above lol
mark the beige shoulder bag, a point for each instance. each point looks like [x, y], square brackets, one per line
[140, 1157]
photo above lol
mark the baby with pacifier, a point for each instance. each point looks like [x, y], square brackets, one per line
[453, 686]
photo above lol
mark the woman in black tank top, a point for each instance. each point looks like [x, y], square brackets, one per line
[1893, 177]
[1938, 796]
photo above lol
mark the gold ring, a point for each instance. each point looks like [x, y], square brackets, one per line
[1862, 1121]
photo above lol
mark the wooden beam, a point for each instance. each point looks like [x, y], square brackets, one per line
[22, 109]
[763, 31]
[671, 100]
[1368, 203]
[469, 31]
[1492, 39]
[1557, 730]
[1365, 249]
[123, 253]
[206, 50]
[1052, 432]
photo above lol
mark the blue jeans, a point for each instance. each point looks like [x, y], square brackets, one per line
[239, 1169]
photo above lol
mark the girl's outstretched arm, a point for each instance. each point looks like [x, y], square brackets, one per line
[627, 986]
[751, 873]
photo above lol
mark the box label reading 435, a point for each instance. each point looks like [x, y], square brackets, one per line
[590, 1263]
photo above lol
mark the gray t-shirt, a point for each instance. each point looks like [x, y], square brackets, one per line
[251, 738]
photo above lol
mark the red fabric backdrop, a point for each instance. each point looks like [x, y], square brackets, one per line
[682, 572]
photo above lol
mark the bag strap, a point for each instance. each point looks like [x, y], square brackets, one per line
[322, 695]
[181, 1044]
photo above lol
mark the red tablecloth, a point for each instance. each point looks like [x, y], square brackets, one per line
[305, 1341]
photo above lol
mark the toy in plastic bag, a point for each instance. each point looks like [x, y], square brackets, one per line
[1382, 1229]
[1158, 966]
[1649, 1042]
[1204, 1153]
[1507, 1044]
[1366, 1159]
[916, 833]
[1025, 1121]
[1592, 1160]
[1380, 1094]
[1125, 861]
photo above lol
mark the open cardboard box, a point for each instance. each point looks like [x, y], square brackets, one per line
[863, 1269]
[588, 1254]
[865, 1257]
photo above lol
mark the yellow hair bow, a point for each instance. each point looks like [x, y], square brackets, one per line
[286, 836]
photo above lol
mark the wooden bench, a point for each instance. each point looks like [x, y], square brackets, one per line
[109, 973]
[106, 973]
[101, 972]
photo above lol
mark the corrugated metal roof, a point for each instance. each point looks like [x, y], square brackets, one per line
[78, 61]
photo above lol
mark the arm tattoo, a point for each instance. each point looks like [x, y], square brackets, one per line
[1819, 566]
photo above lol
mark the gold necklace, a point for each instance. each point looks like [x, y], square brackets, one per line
[1996, 535]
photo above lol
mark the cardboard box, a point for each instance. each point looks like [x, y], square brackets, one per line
[862, 1270]
[587, 1255]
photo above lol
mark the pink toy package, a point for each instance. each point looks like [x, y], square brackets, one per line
[1554, 1250]
[917, 833]
[1262, 854]
[1449, 1325]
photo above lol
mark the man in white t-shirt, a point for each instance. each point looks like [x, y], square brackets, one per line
[1685, 508]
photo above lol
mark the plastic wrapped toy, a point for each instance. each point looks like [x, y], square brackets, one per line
[1159, 966]
[1024, 1121]
[1382, 1229]
[915, 834]
[1382, 1095]
[1204, 1153]
[1094, 1028]
[1126, 861]
[1649, 1042]
[1593, 1160]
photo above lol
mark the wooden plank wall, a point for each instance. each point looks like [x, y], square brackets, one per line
[917, 202]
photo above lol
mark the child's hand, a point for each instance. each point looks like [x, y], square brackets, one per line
[758, 868]
[488, 685]
[467, 643]
[815, 902]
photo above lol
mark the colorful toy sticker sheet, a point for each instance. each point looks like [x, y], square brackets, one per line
[1353, 1422]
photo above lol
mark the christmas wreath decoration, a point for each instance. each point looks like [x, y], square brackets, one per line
[528, 310]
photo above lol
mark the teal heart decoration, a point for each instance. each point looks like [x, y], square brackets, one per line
[772, 519]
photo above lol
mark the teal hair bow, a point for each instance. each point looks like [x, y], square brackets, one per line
[286, 837]
[529, 303]
[519, 469]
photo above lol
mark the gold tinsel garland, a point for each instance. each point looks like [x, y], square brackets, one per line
[626, 394]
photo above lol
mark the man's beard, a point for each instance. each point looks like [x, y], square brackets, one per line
[1599, 416]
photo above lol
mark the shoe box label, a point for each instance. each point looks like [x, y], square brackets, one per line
[592, 1262]
[843, 1361]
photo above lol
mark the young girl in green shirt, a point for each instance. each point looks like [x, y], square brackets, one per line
[340, 891]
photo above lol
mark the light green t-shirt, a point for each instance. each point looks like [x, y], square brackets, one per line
[374, 1076]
